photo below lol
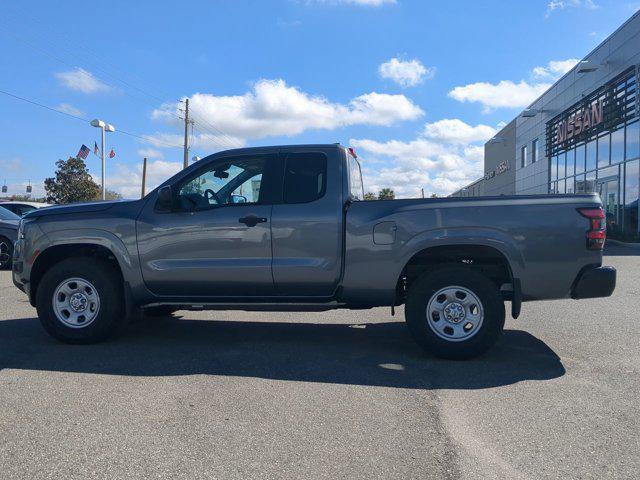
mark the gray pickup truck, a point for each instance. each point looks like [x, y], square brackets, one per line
[286, 228]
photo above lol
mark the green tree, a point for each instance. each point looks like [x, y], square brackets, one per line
[370, 196]
[386, 194]
[109, 195]
[72, 183]
[434, 195]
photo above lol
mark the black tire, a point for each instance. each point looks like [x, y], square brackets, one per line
[485, 335]
[110, 318]
[159, 311]
[6, 253]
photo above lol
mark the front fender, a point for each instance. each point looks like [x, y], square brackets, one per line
[122, 247]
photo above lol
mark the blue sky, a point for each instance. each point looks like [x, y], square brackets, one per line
[416, 86]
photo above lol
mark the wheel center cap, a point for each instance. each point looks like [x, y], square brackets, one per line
[78, 302]
[454, 312]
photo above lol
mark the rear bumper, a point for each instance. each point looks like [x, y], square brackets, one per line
[595, 282]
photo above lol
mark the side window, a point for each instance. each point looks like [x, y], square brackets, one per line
[225, 182]
[356, 188]
[305, 177]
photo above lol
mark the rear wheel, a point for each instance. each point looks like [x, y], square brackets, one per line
[6, 253]
[455, 313]
[80, 301]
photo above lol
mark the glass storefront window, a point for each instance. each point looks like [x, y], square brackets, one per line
[633, 141]
[570, 162]
[603, 151]
[554, 167]
[580, 158]
[591, 155]
[580, 184]
[608, 172]
[562, 165]
[617, 146]
[561, 186]
[590, 182]
[631, 200]
[570, 186]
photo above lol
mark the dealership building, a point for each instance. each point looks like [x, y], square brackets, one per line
[581, 135]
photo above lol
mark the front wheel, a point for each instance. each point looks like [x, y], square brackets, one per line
[455, 313]
[80, 301]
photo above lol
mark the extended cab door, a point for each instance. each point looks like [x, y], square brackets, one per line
[216, 241]
[307, 223]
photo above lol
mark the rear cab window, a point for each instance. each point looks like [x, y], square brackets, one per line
[305, 177]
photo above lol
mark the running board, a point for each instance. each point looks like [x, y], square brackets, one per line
[254, 307]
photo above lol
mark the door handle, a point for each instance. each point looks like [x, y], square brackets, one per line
[252, 220]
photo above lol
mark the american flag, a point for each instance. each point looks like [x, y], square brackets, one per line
[83, 152]
[95, 148]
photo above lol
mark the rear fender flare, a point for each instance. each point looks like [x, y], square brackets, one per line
[486, 237]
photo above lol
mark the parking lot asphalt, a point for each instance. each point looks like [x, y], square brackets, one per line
[343, 394]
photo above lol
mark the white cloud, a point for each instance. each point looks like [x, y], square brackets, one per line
[457, 131]
[447, 156]
[128, 181]
[365, 3]
[555, 68]
[273, 108]
[556, 5]
[151, 154]
[81, 81]
[405, 73]
[504, 94]
[201, 141]
[70, 109]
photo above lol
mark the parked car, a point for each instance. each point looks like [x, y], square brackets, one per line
[8, 234]
[22, 208]
[285, 228]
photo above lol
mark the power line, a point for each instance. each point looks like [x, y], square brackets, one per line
[83, 119]
[33, 102]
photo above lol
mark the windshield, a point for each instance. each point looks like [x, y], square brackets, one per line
[7, 215]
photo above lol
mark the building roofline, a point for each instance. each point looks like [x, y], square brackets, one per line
[593, 50]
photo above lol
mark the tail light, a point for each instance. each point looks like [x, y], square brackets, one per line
[597, 233]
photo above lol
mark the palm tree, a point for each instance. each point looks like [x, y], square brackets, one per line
[386, 194]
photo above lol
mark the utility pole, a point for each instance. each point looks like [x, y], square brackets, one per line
[144, 176]
[422, 189]
[185, 163]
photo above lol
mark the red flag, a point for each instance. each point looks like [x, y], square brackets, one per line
[112, 153]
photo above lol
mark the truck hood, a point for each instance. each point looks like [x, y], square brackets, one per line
[75, 208]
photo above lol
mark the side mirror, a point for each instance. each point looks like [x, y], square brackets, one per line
[164, 203]
[238, 199]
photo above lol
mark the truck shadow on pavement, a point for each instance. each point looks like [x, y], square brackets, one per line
[374, 354]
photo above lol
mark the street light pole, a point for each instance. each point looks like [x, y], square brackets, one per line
[104, 190]
[104, 127]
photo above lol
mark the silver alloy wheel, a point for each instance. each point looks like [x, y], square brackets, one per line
[5, 256]
[76, 302]
[455, 313]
